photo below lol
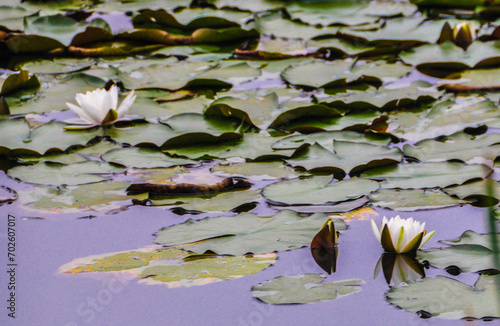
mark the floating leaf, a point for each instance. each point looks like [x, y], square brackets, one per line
[459, 146]
[142, 158]
[16, 137]
[256, 111]
[341, 207]
[448, 56]
[245, 233]
[305, 288]
[342, 161]
[476, 192]
[321, 73]
[235, 201]
[472, 252]
[253, 146]
[427, 175]
[444, 118]
[20, 81]
[447, 298]
[256, 170]
[91, 197]
[412, 199]
[318, 190]
[327, 139]
[172, 267]
[58, 174]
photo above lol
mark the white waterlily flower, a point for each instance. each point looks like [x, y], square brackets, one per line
[99, 107]
[401, 235]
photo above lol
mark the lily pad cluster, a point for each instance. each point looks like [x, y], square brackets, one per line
[300, 107]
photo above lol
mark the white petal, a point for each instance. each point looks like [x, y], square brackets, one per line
[126, 104]
[426, 238]
[80, 112]
[375, 230]
[113, 93]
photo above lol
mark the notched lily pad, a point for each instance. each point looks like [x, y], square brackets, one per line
[427, 175]
[318, 190]
[477, 192]
[412, 199]
[342, 160]
[447, 298]
[172, 267]
[17, 138]
[245, 233]
[256, 170]
[142, 158]
[54, 174]
[92, 197]
[472, 252]
[325, 74]
[305, 288]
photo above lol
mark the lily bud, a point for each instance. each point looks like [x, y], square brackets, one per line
[464, 34]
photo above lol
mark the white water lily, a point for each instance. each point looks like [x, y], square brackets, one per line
[99, 107]
[401, 235]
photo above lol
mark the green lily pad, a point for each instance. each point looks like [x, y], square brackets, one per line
[298, 110]
[318, 190]
[342, 159]
[387, 97]
[142, 133]
[356, 121]
[472, 252]
[92, 197]
[427, 175]
[245, 233]
[17, 82]
[305, 288]
[17, 138]
[172, 267]
[142, 158]
[61, 28]
[55, 91]
[253, 146]
[320, 73]
[187, 74]
[326, 139]
[327, 13]
[58, 174]
[459, 146]
[275, 25]
[256, 170]
[256, 111]
[237, 201]
[448, 56]
[447, 298]
[57, 65]
[476, 192]
[341, 207]
[444, 118]
[410, 200]
[192, 19]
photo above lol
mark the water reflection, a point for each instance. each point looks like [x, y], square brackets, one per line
[399, 268]
[326, 258]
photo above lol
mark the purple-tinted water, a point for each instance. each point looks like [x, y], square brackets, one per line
[45, 297]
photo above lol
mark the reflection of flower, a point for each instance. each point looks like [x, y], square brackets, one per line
[99, 107]
[399, 268]
[400, 235]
